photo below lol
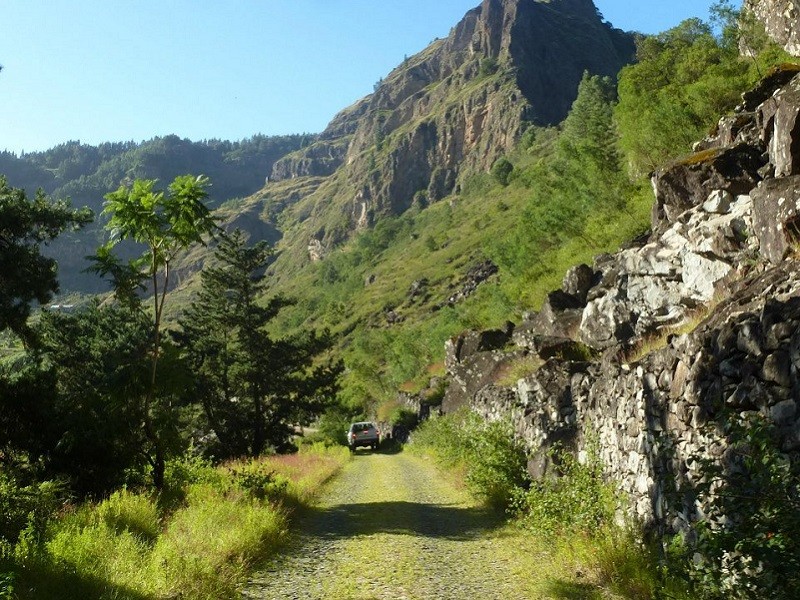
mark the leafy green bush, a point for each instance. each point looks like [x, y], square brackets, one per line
[186, 470]
[331, 427]
[403, 416]
[26, 509]
[576, 499]
[7, 586]
[494, 461]
[749, 540]
[259, 481]
[502, 170]
[197, 548]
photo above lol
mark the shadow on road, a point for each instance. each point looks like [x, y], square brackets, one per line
[403, 518]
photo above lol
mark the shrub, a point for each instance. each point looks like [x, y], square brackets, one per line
[260, 482]
[575, 499]
[749, 540]
[493, 459]
[7, 586]
[25, 510]
[488, 66]
[331, 427]
[403, 416]
[501, 171]
[185, 470]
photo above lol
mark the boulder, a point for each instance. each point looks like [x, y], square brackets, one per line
[578, 281]
[719, 202]
[546, 347]
[775, 79]
[560, 315]
[782, 129]
[469, 343]
[689, 182]
[474, 373]
[776, 216]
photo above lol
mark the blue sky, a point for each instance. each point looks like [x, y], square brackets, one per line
[118, 70]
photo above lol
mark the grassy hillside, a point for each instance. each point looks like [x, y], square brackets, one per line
[568, 194]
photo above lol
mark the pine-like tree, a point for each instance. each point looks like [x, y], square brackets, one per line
[253, 387]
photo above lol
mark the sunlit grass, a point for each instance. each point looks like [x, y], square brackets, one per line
[200, 544]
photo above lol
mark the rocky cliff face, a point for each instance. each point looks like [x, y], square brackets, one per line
[780, 18]
[646, 349]
[458, 105]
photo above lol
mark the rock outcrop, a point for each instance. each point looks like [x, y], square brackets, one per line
[458, 105]
[647, 349]
[781, 21]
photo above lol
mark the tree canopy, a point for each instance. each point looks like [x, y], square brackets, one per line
[252, 386]
[166, 222]
[26, 275]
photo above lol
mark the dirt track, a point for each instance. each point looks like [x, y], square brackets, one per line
[391, 526]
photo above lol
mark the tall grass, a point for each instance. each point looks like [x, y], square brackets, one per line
[565, 525]
[196, 541]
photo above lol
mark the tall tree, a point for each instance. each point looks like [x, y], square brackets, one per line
[166, 223]
[25, 274]
[97, 361]
[253, 387]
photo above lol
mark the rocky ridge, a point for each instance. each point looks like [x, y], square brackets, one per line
[646, 349]
[454, 108]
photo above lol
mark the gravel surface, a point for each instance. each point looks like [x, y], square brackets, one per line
[391, 526]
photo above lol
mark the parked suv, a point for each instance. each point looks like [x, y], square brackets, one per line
[362, 434]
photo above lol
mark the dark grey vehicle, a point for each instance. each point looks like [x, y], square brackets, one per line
[362, 433]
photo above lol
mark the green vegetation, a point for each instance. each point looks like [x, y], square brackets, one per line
[252, 387]
[196, 540]
[569, 516]
[683, 81]
[28, 276]
[492, 461]
[94, 401]
[166, 224]
[98, 395]
[749, 535]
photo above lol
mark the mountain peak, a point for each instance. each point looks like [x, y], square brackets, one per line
[457, 106]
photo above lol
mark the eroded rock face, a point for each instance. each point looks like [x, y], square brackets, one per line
[780, 19]
[659, 284]
[649, 417]
[725, 225]
[462, 103]
[776, 216]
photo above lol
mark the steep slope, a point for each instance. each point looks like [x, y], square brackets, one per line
[780, 20]
[450, 111]
[682, 333]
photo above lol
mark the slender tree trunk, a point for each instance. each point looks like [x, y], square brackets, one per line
[159, 459]
[259, 437]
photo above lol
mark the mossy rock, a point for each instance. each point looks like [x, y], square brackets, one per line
[699, 158]
[776, 77]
